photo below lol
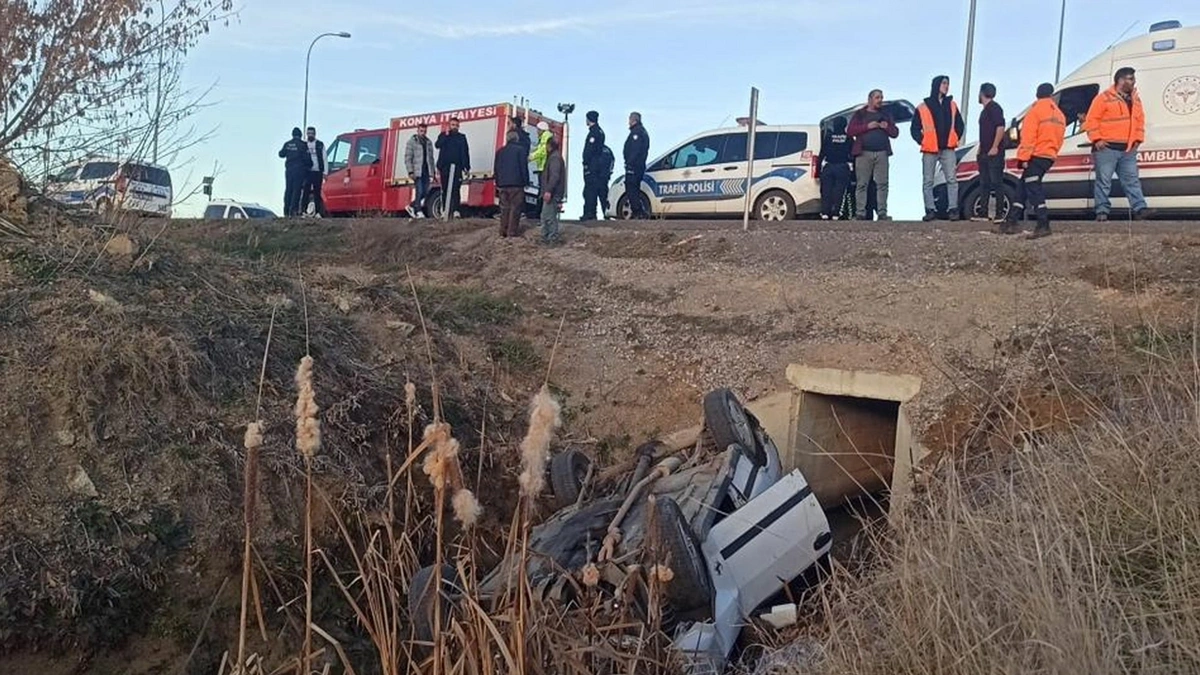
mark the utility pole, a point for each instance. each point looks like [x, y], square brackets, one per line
[1062, 22]
[966, 95]
[158, 89]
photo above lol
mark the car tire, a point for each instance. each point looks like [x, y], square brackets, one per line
[774, 206]
[568, 470]
[976, 201]
[422, 597]
[941, 199]
[624, 209]
[434, 208]
[690, 587]
[728, 424]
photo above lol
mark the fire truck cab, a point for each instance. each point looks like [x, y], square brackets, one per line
[366, 172]
[1167, 62]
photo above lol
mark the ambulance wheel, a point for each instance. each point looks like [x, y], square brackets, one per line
[775, 206]
[941, 199]
[976, 201]
[689, 588]
[434, 208]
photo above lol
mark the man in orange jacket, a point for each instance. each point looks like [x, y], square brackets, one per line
[1042, 134]
[1116, 126]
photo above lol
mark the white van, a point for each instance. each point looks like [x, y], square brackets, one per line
[109, 186]
[222, 209]
[1167, 61]
[705, 176]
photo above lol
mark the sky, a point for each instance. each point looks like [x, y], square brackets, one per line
[686, 65]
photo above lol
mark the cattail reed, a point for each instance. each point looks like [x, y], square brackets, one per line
[308, 441]
[252, 441]
[544, 420]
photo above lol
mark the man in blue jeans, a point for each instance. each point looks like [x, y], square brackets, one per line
[418, 161]
[1116, 126]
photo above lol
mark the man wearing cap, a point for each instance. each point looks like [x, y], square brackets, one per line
[595, 173]
[296, 165]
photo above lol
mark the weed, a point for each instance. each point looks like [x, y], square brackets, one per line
[465, 310]
[517, 353]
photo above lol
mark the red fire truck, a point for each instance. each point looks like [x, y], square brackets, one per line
[367, 173]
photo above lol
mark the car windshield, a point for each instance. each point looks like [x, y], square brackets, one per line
[148, 174]
[254, 212]
[98, 170]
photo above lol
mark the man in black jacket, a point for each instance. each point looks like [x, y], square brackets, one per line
[833, 167]
[637, 152]
[595, 173]
[296, 164]
[316, 175]
[452, 152]
[515, 123]
[512, 175]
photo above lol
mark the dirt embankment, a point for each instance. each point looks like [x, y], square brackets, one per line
[131, 360]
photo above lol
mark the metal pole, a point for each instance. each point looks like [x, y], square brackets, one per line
[158, 89]
[307, 60]
[750, 138]
[1062, 22]
[966, 95]
[446, 195]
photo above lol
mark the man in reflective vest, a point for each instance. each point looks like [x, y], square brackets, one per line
[938, 127]
[1042, 134]
[1116, 126]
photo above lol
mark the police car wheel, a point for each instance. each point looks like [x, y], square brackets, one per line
[624, 209]
[775, 206]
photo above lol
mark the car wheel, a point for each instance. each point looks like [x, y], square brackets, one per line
[941, 199]
[690, 588]
[775, 206]
[423, 600]
[977, 202]
[434, 208]
[625, 209]
[728, 423]
[568, 470]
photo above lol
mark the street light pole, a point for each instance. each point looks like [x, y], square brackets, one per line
[966, 95]
[307, 59]
[1062, 22]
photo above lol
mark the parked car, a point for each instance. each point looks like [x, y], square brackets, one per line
[220, 209]
[733, 529]
[110, 186]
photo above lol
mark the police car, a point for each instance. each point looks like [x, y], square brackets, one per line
[705, 176]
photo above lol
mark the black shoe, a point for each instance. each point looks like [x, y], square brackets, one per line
[1008, 228]
[1143, 214]
[930, 216]
[1015, 216]
[1039, 232]
[953, 215]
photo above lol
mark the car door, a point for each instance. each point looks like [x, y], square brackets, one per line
[733, 167]
[366, 173]
[337, 190]
[687, 180]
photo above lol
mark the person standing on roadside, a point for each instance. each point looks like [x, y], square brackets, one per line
[1116, 126]
[1042, 134]
[637, 152]
[515, 123]
[937, 128]
[316, 176]
[833, 168]
[991, 151]
[553, 189]
[541, 151]
[454, 159]
[418, 163]
[873, 130]
[296, 163]
[512, 175]
[595, 182]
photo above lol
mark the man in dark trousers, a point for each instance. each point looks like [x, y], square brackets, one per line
[937, 128]
[873, 130]
[452, 152]
[833, 168]
[594, 181]
[1042, 133]
[512, 175]
[637, 152]
[991, 151]
[296, 164]
[316, 175]
[553, 189]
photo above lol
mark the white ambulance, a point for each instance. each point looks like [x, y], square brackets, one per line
[1167, 65]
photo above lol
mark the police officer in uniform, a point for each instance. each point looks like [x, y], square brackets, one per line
[296, 165]
[637, 151]
[595, 183]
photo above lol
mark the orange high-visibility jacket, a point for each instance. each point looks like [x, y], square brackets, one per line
[1112, 120]
[1042, 131]
[929, 139]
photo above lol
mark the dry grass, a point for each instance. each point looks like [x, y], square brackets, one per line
[1075, 551]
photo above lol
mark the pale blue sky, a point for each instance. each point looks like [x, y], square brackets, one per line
[687, 65]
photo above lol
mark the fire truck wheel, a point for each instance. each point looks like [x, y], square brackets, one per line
[690, 588]
[728, 424]
[568, 470]
[421, 598]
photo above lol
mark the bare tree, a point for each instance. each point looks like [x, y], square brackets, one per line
[82, 76]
